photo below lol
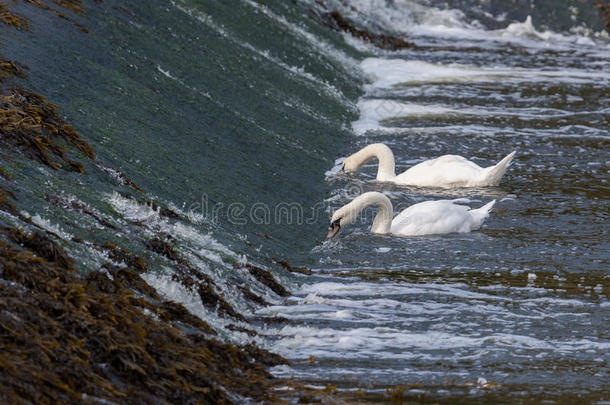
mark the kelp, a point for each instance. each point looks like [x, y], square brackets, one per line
[31, 124]
[73, 5]
[8, 18]
[120, 255]
[337, 22]
[5, 201]
[64, 339]
[194, 280]
[266, 278]
[106, 336]
[293, 269]
[11, 69]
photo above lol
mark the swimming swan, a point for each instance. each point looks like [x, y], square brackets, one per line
[445, 171]
[426, 218]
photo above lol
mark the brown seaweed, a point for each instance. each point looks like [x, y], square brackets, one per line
[120, 255]
[5, 203]
[266, 278]
[11, 69]
[194, 280]
[249, 295]
[293, 269]
[29, 123]
[73, 5]
[337, 22]
[64, 339]
[8, 18]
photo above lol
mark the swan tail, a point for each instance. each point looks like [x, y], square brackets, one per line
[479, 214]
[494, 174]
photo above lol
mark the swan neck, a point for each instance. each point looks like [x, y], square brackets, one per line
[386, 168]
[383, 220]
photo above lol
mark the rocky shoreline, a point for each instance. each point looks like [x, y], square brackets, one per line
[68, 337]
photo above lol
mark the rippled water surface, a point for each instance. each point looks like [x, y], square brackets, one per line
[524, 301]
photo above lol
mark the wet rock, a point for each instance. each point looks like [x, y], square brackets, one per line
[42, 245]
[128, 278]
[78, 206]
[287, 266]
[337, 22]
[249, 295]
[8, 18]
[11, 69]
[266, 278]
[194, 280]
[119, 176]
[32, 125]
[121, 255]
[241, 329]
[64, 337]
[167, 212]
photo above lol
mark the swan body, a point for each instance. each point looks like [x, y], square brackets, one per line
[426, 218]
[446, 171]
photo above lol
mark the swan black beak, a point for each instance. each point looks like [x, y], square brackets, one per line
[333, 230]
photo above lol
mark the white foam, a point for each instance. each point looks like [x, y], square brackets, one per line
[46, 224]
[414, 19]
[374, 111]
[386, 73]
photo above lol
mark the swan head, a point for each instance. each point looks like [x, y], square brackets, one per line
[342, 217]
[351, 165]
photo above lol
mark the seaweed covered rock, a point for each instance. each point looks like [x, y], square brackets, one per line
[11, 69]
[293, 269]
[8, 18]
[64, 339]
[31, 124]
[194, 280]
[266, 278]
[120, 255]
[5, 203]
[337, 22]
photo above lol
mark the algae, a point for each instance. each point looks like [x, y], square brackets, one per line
[8, 18]
[337, 22]
[266, 278]
[32, 125]
[106, 336]
[64, 339]
[194, 280]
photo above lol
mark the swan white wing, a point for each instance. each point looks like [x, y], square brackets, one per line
[444, 171]
[433, 217]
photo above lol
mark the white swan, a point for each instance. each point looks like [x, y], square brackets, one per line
[426, 218]
[446, 171]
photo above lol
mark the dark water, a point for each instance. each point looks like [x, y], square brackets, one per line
[232, 112]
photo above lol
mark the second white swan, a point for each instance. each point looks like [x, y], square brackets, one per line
[426, 218]
[446, 171]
